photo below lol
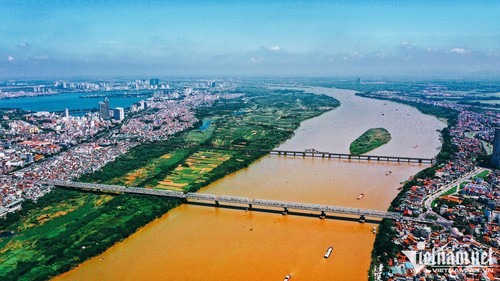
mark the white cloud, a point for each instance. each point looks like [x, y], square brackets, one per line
[254, 60]
[10, 59]
[23, 45]
[460, 51]
[406, 45]
[275, 48]
[357, 55]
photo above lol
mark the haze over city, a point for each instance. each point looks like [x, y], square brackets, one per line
[263, 38]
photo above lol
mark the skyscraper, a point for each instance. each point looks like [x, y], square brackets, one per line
[118, 113]
[154, 81]
[496, 149]
[104, 108]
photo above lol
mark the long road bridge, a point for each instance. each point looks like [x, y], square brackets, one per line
[285, 205]
[315, 153]
[321, 154]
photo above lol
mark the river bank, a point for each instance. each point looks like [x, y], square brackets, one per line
[64, 228]
[193, 242]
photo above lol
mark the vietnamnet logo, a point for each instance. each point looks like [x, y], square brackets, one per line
[445, 258]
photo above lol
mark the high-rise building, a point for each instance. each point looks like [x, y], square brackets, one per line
[496, 149]
[66, 114]
[142, 105]
[154, 81]
[104, 108]
[118, 113]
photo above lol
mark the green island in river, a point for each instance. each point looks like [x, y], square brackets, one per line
[66, 227]
[370, 140]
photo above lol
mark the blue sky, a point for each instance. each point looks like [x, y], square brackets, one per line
[259, 38]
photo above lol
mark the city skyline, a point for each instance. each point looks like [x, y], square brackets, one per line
[448, 39]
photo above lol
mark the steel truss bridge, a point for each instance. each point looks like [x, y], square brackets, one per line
[316, 153]
[285, 205]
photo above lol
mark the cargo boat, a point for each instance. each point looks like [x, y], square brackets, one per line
[328, 252]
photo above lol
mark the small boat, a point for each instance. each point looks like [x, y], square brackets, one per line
[287, 277]
[415, 146]
[388, 173]
[374, 230]
[361, 196]
[399, 188]
[328, 252]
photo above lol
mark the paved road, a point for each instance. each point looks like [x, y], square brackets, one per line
[443, 189]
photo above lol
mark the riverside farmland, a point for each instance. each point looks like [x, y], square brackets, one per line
[70, 234]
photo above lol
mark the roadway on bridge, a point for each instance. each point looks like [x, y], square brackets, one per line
[285, 205]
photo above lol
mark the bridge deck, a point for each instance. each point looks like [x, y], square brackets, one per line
[315, 153]
[231, 199]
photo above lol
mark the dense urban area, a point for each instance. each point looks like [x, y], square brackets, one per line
[47, 145]
[180, 139]
[460, 192]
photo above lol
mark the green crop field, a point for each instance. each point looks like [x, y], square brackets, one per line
[66, 227]
[165, 162]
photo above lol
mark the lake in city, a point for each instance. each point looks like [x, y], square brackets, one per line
[71, 101]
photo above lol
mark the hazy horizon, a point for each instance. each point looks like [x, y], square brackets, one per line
[425, 39]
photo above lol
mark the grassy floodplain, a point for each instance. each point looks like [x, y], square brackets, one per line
[66, 227]
[370, 140]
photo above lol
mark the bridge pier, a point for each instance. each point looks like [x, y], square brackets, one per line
[322, 215]
[274, 204]
[362, 219]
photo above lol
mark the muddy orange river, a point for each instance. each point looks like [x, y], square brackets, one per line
[196, 242]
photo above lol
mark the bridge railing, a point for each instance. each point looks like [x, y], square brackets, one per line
[233, 199]
[315, 153]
